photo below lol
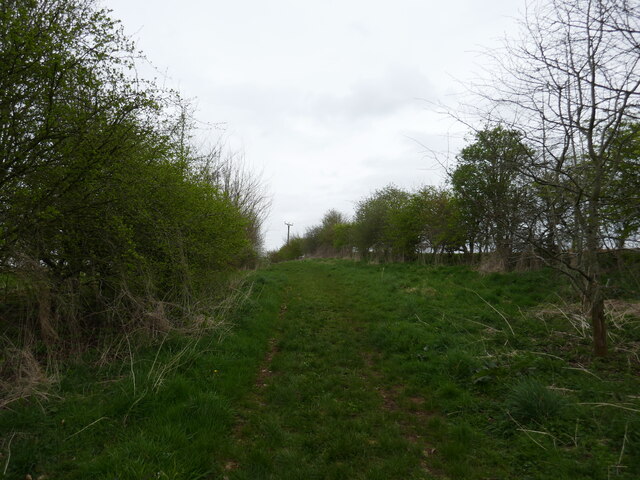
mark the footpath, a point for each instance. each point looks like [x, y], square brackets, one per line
[321, 406]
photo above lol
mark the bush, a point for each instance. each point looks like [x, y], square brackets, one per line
[290, 251]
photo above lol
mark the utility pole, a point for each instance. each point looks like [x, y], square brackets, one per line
[289, 225]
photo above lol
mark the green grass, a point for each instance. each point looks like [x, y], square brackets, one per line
[167, 414]
[340, 370]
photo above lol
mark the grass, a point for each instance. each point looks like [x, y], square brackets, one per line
[530, 401]
[345, 370]
[167, 413]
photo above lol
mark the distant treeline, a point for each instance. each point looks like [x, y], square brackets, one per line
[490, 211]
[109, 216]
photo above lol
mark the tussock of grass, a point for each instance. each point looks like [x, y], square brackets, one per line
[531, 401]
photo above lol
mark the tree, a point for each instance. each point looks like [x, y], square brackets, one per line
[343, 238]
[436, 217]
[329, 238]
[490, 188]
[621, 199]
[466, 184]
[64, 95]
[289, 251]
[244, 188]
[376, 223]
[571, 84]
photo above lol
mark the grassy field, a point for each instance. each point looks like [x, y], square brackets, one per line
[340, 370]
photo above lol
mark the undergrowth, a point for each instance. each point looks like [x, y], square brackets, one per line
[143, 408]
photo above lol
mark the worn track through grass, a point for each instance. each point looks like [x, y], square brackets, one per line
[320, 406]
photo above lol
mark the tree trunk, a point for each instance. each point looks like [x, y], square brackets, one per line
[594, 307]
[502, 254]
[46, 318]
[594, 297]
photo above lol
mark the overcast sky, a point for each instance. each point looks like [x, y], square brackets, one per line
[330, 100]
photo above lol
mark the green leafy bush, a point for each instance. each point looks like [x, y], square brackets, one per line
[109, 216]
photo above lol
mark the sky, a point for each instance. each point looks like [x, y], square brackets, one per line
[326, 100]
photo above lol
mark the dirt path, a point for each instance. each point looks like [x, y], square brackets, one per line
[321, 407]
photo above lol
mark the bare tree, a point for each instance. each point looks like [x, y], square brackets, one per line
[245, 188]
[572, 83]
[226, 169]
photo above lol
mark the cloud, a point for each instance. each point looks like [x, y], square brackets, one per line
[372, 96]
[368, 97]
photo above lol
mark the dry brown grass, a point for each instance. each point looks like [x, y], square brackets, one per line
[130, 321]
[21, 375]
[423, 291]
[622, 315]
[492, 263]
